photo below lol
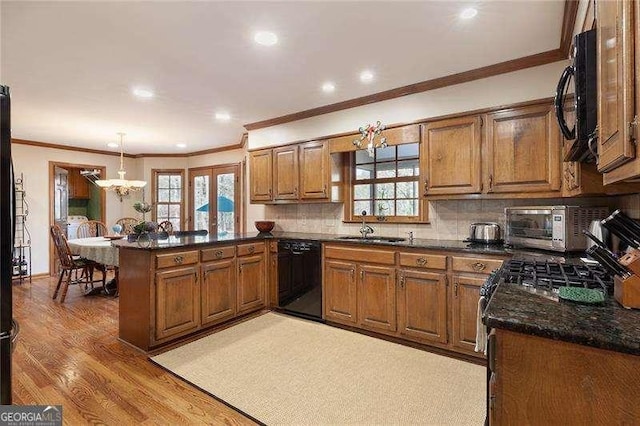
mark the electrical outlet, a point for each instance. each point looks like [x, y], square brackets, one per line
[303, 220]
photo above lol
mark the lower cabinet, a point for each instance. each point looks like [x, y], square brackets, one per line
[177, 302]
[422, 305]
[251, 283]
[377, 297]
[464, 311]
[218, 291]
[340, 292]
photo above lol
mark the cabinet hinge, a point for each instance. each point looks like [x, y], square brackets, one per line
[633, 130]
[481, 121]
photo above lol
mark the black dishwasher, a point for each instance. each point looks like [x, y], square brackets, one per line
[300, 278]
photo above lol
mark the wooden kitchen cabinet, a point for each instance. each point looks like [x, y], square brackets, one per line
[615, 39]
[251, 282]
[177, 302]
[376, 297]
[78, 185]
[464, 310]
[451, 156]
[522, 148]
[285, 173]
[422, 305]
[261, 183]
[218, 291]
[340, 303]
[315, 174]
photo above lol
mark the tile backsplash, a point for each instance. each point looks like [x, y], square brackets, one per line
[449, 219]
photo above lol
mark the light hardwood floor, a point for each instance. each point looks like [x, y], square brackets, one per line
[68, 354]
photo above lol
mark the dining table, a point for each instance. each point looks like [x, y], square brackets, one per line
[100, 250]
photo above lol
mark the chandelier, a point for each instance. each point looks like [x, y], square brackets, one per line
[369, 134]
[121, 186]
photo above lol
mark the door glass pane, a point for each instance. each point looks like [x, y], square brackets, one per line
[225, 202]
[201, 202]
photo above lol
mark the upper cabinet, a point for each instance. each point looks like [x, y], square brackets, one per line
[618, 89]
[523, 150]
[78, 185]
[295, 173]
[451, 156]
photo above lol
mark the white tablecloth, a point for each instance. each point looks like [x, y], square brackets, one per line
[98, 249]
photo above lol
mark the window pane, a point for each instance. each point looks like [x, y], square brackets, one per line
[361, 192]
[386, 170]
[384, 208]
[385, 191]
[388, 153]
[174, 210]
[408, 168]
[407, 208]
[163, 181]
[176, 181]
[359, 206]
[176, 224]
[406, 189]
[163, 211]
[175, 195]
[163, 195]
[409, 150]
[364, 171]
[362, 156]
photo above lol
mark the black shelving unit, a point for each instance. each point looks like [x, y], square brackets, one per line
[22, 239]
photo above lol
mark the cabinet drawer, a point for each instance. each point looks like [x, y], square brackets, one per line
[360, 255]
[475, 265]
[253, 248]
[218, 253]
[427, 261]
[176, 259]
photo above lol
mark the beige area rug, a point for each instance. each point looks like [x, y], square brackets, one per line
[283, 371]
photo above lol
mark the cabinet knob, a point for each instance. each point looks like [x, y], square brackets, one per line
[251, 249]
[455, 288]
[421, 261]
[478, 266]
[178, 259]
[218, 254]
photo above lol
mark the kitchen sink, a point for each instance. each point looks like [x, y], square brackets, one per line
[372, 239]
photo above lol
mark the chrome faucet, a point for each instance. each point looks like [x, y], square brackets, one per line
[366, 229]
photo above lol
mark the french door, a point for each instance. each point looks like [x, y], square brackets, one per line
[215, 199]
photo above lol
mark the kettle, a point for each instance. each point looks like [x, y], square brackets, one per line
[485, 232]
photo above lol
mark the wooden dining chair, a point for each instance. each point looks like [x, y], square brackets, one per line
[166, 226]
[92, 228]
[70, 264]
[127, 224]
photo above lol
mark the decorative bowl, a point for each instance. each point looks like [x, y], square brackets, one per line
[265, 225]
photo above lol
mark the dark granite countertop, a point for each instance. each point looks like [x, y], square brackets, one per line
[426, 244]
[609, 327]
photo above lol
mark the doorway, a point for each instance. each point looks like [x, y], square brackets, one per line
[71, 194]
[215, 199]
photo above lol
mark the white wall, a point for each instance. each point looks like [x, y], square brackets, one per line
[524, 85]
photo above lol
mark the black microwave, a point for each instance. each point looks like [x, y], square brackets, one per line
[584, 73]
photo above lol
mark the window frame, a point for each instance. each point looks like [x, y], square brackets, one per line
[351, 181]
[156, 173]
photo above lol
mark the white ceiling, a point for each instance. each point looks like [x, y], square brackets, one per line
[71, 65]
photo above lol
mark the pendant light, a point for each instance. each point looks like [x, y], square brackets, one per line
[121, 186]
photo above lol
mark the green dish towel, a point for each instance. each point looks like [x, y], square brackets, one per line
[581, 295]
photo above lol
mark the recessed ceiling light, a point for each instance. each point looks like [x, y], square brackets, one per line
[366, 76]
[265, 38]
[468, 13]
[223, 116]
[328, 87]
[112, 145]
[143, 93]
[181, 145]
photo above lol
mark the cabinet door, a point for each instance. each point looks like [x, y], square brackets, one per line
[523, 150]
[285, 173]
[451, 156]
[177, 302]
[422, 305]
[314, 170]
[340, 304]
[377, 297]
[218, 291]
[466, 292]
[251, 283]
[261, 174]
[81, 186]
[615, 82]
